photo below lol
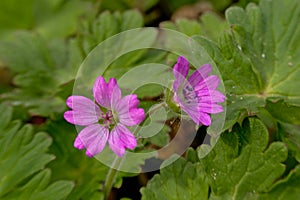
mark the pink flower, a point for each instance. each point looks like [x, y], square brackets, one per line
[197, 96]
[105, 119]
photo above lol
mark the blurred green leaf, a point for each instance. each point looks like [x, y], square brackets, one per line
[41, 68]
[209, 25]
[94, 31]
[172, 5]
[122, 5]
[179, 180]
[55, 19]
[23, 159]
[12, 17]
[52, 19]
[161, 138]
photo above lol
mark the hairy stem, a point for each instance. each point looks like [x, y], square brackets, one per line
[110, 178]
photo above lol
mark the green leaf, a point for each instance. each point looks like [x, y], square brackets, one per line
[22, 155]
[94, 31]
[38, 188]
[55, 19]
[240, 165]
[285, 189]
[11, 17]
[290, 134]
[88, 174]
[162, 138]
[209, 25]
[179, 180]
[40, 68]
[50, 18]
[258, 57]
[284, 112]
[122, 5]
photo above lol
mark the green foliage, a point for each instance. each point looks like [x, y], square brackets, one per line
[287, 188]
[40, 68]
[23, 159]
[49, 18]
[94, 31]
[180, 180]
[88, 174]
[241, 165]
[43, 68]
[123, 5]
[43, 43]
[209, 25]
[290, 134]
[257, 58]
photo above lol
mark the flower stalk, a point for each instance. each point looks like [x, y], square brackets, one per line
[111, 176]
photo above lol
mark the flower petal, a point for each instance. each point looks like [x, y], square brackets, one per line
[85, 111]
[103, 91]
[213, 96]
[197, 116]
[180, 71]
[121, 138]
[205, 118]
[199, 75]
[210, 108]
[78, 143]
[128, 112]
[93, 138]
[211, 83]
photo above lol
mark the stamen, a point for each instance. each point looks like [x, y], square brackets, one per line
[108, 117]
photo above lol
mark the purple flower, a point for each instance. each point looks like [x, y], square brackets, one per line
[105, 119]
[197, 96]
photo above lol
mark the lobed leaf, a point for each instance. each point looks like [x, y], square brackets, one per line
[22, 156]
[241, 165]
[180, 180]
[258, 58]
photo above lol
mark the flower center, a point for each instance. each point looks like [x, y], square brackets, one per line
[108, 118]
[189, 94]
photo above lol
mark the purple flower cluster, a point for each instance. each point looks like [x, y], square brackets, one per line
[107, 117]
